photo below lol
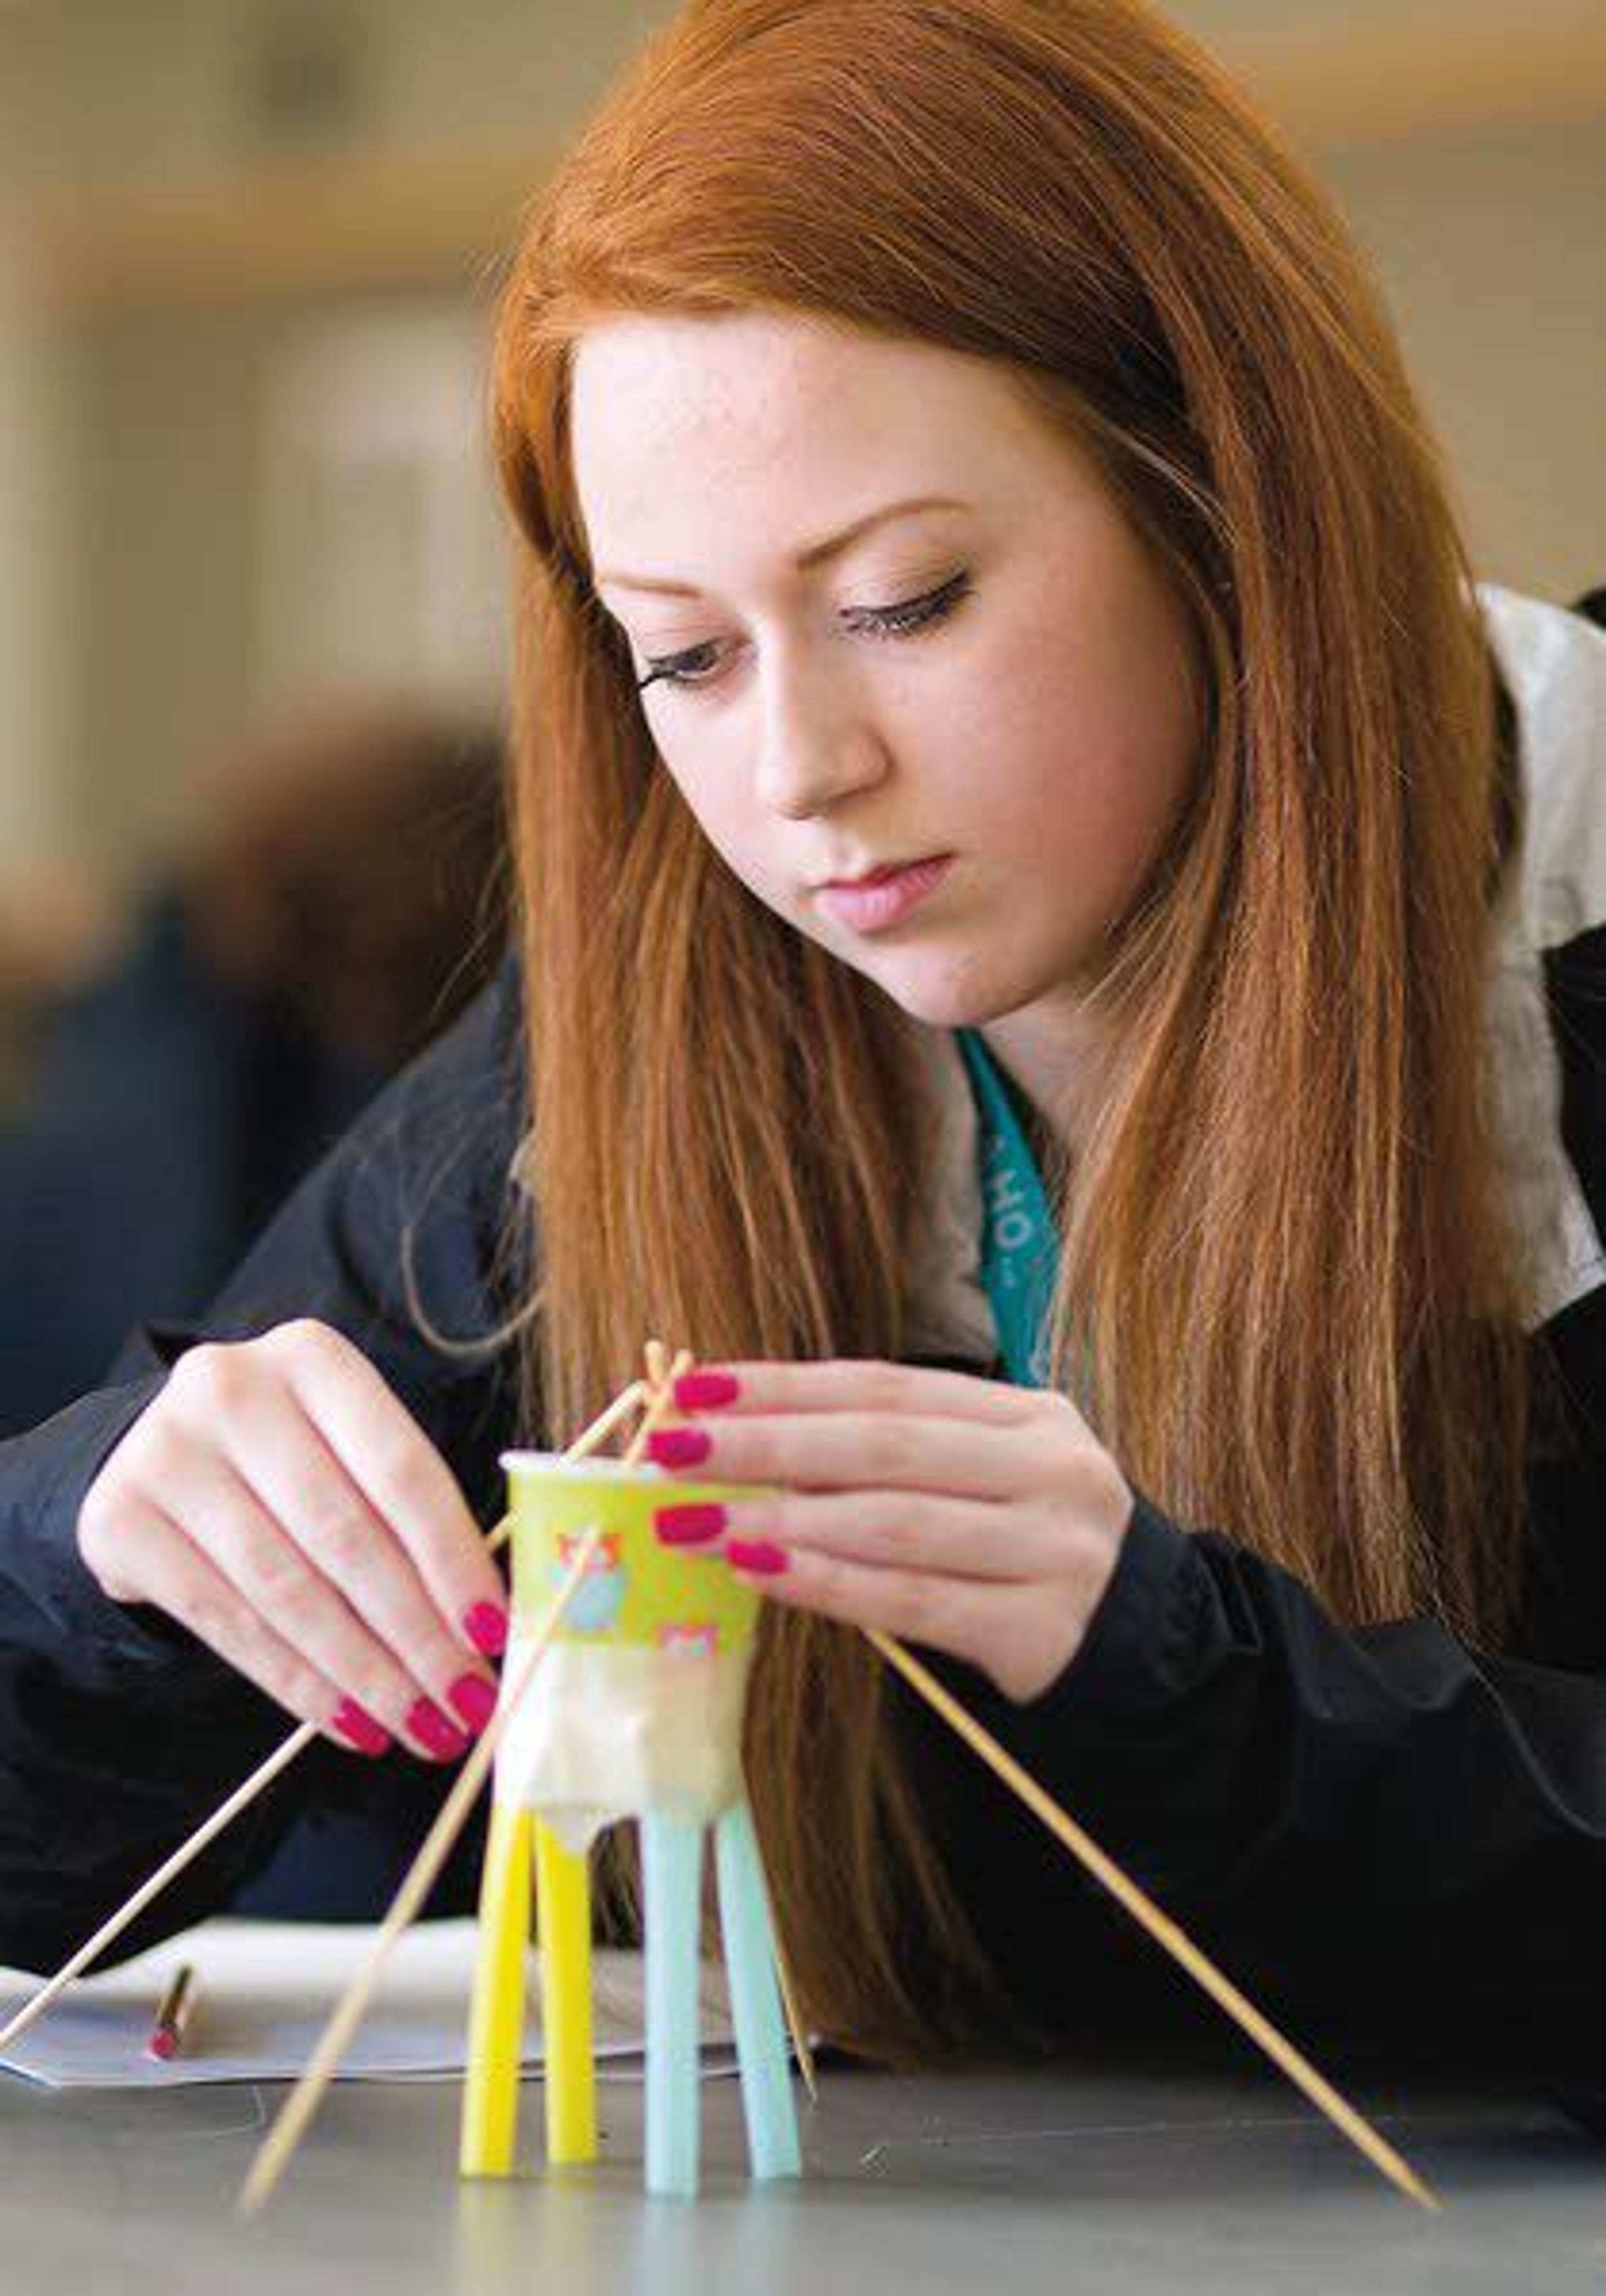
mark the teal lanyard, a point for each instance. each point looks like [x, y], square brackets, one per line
[1019, 1247]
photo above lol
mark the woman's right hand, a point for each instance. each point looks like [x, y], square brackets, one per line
[279, 1502]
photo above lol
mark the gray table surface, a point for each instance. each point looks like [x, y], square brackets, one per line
[1212, 2174]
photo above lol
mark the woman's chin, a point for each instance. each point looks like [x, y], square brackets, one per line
[941, 1001]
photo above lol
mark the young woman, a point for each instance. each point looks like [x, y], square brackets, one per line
[1154, 1237]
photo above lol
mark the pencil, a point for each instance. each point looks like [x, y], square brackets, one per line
[173, 2014]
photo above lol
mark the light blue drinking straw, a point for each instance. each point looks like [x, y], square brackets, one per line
[749, 1960]
[671, 1881]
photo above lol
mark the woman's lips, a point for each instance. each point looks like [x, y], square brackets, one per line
[880, 901]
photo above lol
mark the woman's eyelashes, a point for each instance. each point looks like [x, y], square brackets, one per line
[689, 669]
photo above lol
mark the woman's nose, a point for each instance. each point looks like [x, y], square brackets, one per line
[817, 746]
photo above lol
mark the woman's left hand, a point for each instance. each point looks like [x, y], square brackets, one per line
[972, 1516]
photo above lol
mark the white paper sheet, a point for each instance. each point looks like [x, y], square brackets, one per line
[266, 1989]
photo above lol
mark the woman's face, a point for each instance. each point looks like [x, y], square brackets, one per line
[1001, 675]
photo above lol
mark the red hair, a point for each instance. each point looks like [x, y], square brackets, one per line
[1287, 1291]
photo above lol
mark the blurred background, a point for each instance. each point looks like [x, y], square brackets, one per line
[248, 252]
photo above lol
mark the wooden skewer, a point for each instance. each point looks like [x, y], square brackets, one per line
[794, 2022]
[276, 2151]
[278, 2147]
[273, 2154]
[278, 1759]
[246, 1792]
[1159, 1925]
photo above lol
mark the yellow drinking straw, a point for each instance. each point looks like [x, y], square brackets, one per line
[563, 1896]
[490, 2097]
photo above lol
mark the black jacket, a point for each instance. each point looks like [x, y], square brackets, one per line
[1376, 1828]
[1382, 1831]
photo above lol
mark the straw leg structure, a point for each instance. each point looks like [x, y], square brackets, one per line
[279, 2145]
[490, 2088]
[564, 1899]
[671, 1867]
[671, 1892]
[748, 1933]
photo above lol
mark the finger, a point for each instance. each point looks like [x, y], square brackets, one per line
[225, 1519]
[399, 1472]
[1021, 1636]
[966, 1457]
[279, 1453]
[867, 1383]
[960, 1539]
[957, 1615]
[179, 1578]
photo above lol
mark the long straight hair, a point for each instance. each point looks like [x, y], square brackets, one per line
[1289, 1298]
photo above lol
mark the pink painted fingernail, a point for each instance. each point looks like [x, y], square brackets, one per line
[431, 1727]
[688, 1526]
[486, 1625]
[698, 1391]
[474, 1699]
[758, 1556]
[678, 1446]
[354, 1722]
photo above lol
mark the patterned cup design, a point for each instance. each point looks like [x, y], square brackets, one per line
[601, 1594]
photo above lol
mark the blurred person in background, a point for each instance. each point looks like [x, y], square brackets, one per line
[53, 928]
[161, 1103]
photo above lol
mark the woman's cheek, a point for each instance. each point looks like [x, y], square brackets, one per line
[739, 837]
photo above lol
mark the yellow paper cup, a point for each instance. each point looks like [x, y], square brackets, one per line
[637, 1704]
[636, 1590]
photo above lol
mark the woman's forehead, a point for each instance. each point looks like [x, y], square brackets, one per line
[682, 423]
[691, 370]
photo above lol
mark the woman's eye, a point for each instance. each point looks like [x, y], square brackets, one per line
[688, 670]
[675, 669]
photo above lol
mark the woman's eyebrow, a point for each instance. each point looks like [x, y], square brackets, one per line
[815, 554]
